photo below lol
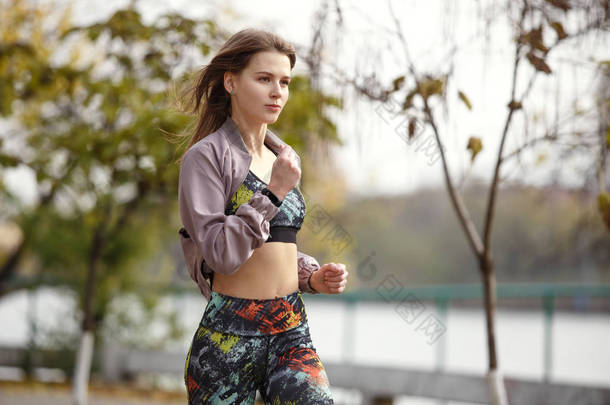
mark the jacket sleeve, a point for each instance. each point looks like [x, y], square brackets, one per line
[225, 241]
[307, 265]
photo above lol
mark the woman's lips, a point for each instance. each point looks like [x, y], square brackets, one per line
[273, 107]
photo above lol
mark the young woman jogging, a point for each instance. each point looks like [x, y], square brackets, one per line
[241, 209]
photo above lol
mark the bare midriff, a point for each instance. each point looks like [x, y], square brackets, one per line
[270, 272]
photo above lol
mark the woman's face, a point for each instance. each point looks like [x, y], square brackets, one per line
[263, 82]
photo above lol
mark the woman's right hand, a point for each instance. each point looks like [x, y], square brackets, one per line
[285, 173]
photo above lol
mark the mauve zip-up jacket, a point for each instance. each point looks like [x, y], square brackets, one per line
[211, 170]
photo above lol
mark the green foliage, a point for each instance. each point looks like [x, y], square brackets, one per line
[134, 318]
[124, 24]
[304, 116]
[95, 142]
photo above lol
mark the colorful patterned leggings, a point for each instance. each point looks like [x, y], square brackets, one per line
[243, 345]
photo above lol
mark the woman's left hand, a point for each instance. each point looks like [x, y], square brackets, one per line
[330, 278]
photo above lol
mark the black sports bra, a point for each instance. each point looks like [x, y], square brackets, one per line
[286, 223]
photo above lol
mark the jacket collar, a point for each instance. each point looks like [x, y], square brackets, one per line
[234, 136]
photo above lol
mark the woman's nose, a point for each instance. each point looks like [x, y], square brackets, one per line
[276, 90]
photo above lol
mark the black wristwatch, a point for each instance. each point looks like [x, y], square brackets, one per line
[309, 284]
[276, 201]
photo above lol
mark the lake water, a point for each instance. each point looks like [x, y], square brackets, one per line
[375, 334]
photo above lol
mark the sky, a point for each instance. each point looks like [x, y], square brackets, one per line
[375, 159]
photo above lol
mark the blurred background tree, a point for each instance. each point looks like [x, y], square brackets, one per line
[421, 99]
[88, 105]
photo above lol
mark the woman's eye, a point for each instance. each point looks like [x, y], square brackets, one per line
[286, 82]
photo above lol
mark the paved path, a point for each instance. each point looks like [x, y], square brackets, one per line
[18, 393]
[33, 393]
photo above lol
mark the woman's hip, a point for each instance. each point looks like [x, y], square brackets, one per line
[254, 317]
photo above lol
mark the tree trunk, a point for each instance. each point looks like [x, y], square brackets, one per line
[9, 268]
[497, 390]
[495, 380]
[83, 367]
[85, 352]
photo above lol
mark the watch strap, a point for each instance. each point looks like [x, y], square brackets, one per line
[276, 201]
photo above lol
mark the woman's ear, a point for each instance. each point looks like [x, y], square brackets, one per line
[228, 82]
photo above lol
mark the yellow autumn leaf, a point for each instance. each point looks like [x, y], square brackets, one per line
[465, 99]
[474, 145]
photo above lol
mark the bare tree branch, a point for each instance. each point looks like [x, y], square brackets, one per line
[461, 210]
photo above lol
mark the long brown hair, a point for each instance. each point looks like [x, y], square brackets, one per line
[206, 96]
